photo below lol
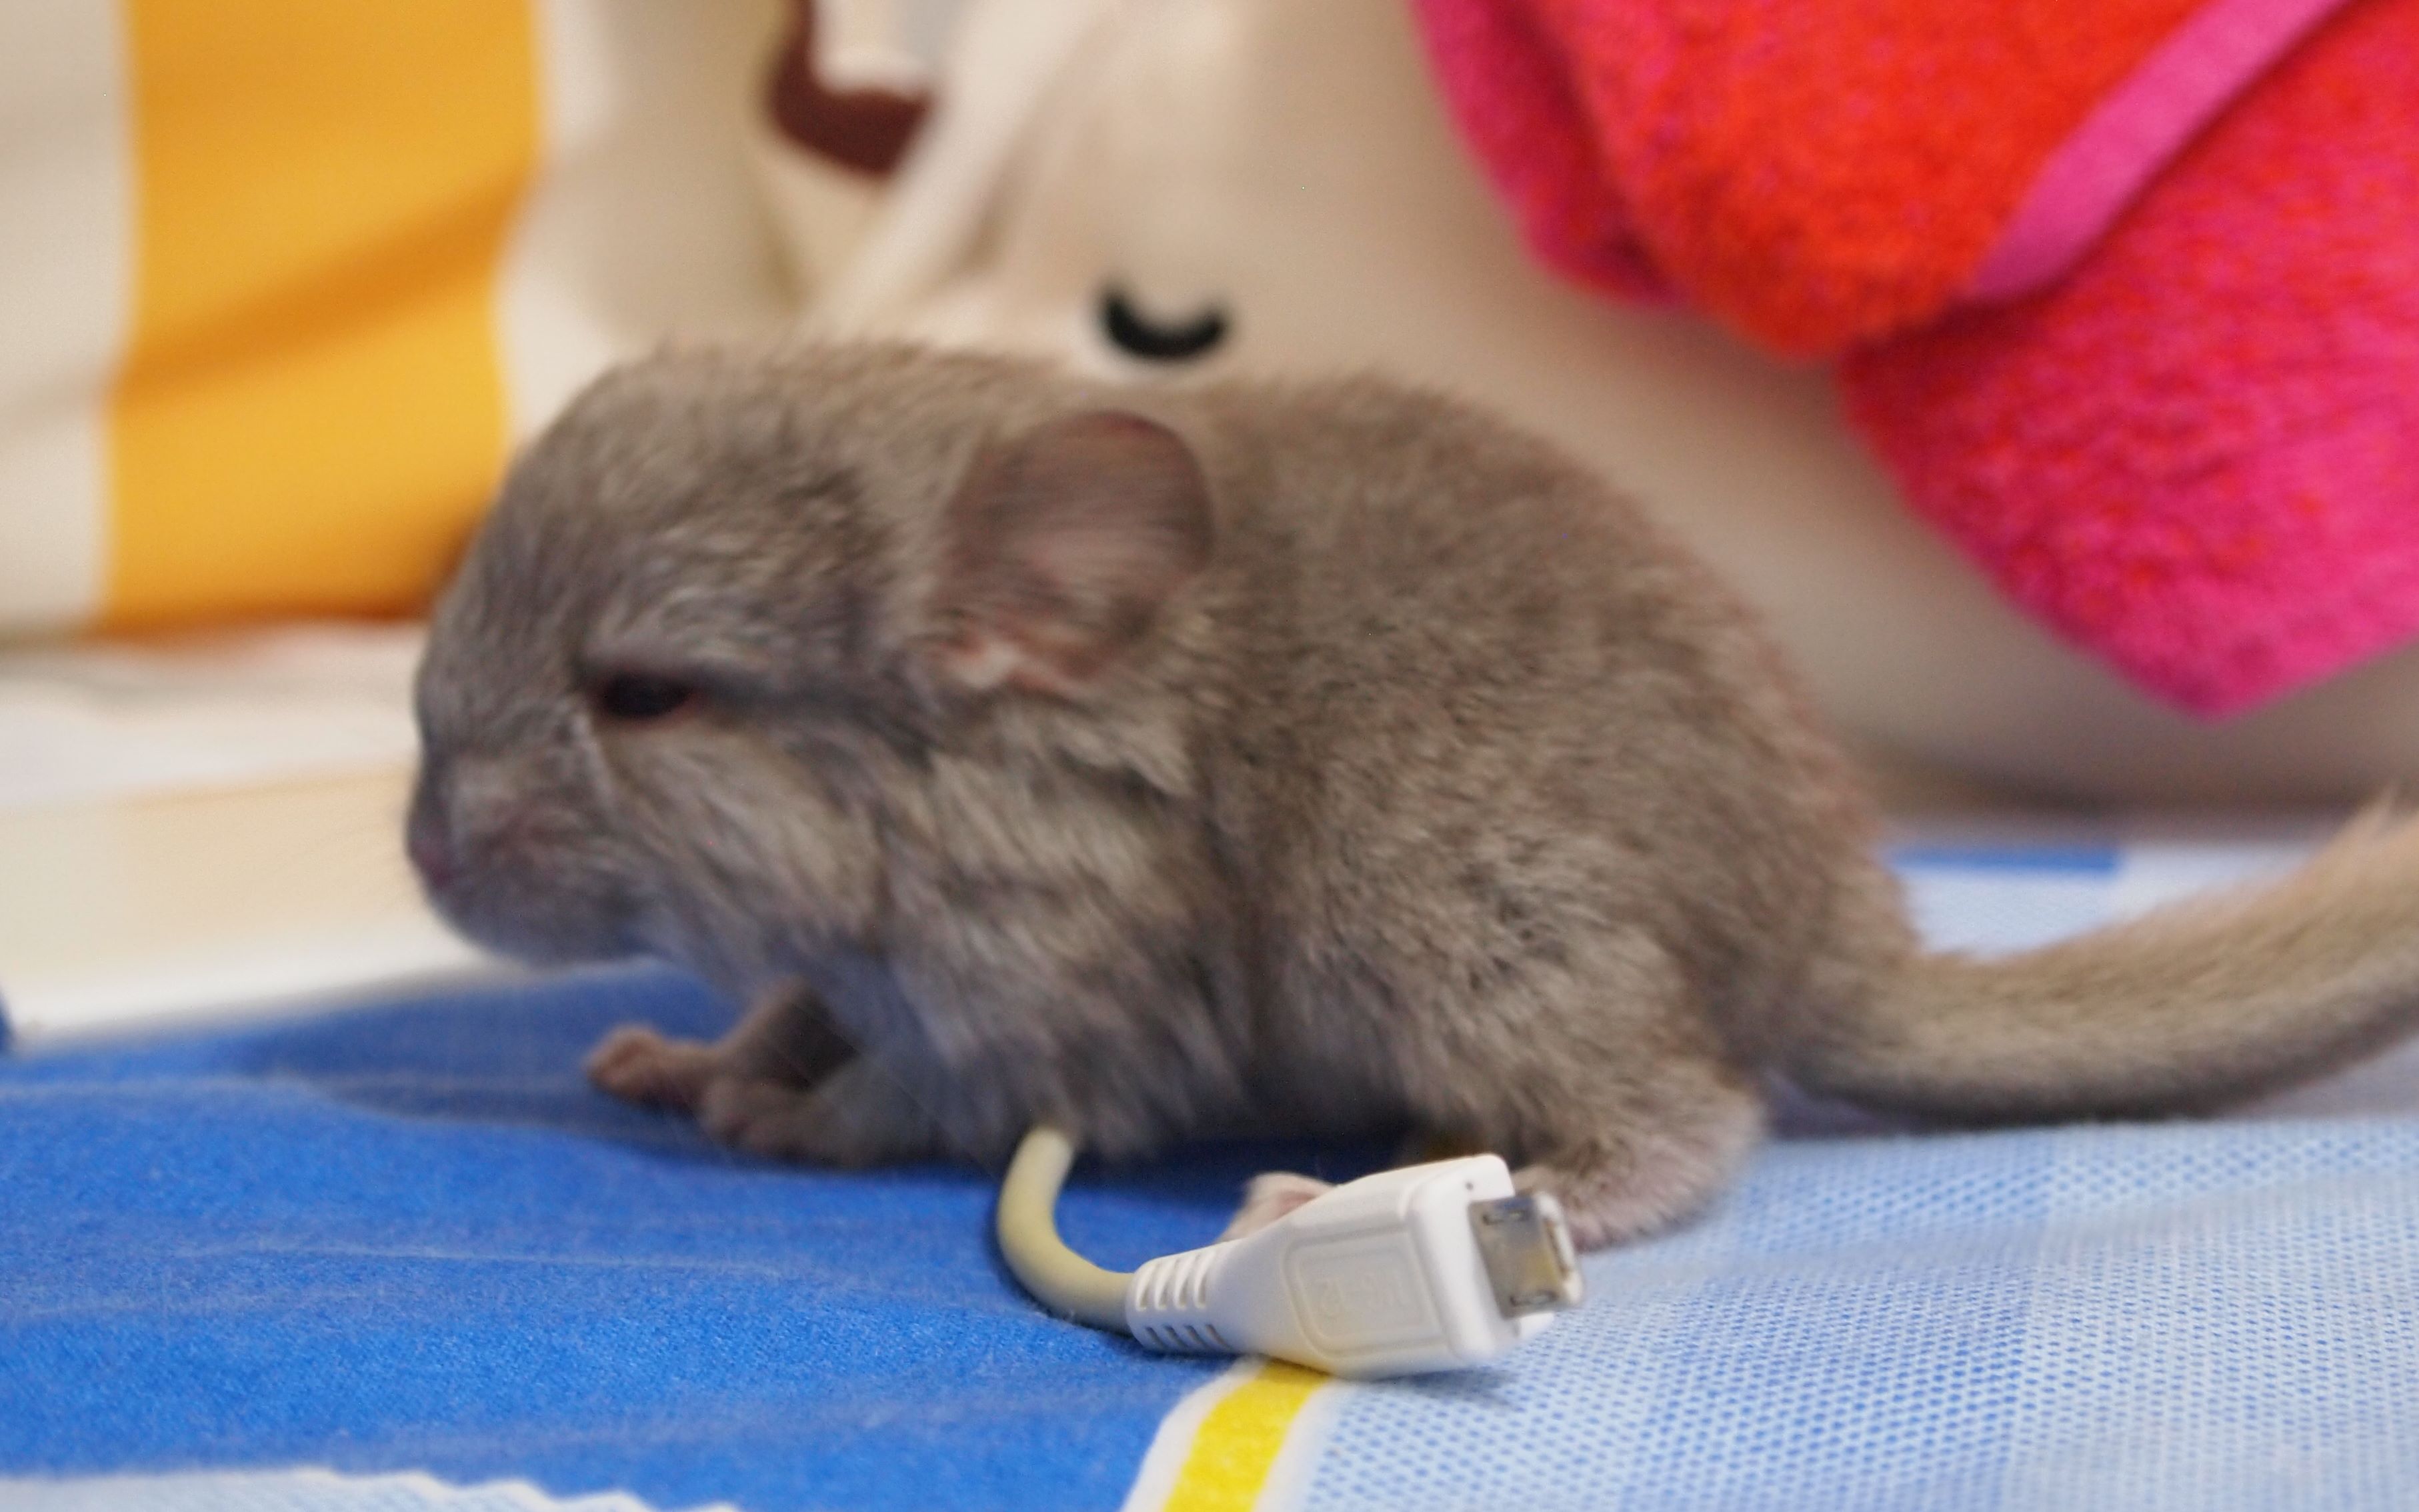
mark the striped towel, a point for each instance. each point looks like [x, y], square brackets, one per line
[403, 1258]
[283, 280]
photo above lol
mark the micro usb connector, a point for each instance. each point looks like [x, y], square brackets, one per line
[1426, 1267]
[1527, 1251]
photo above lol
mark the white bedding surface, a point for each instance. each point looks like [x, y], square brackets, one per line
[87, 722]
[209, 828]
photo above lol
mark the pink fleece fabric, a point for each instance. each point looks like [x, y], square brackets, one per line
[2133, 134]
[2196, 452]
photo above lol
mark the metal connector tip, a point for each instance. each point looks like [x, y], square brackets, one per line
[1527, 1251]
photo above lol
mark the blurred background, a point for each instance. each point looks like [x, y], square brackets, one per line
[2050, 379]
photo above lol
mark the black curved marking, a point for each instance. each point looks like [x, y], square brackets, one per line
[1137, 335]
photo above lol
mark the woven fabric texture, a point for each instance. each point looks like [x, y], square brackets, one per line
[409, 1241]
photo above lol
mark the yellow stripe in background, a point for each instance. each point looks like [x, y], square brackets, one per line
[1237, 1444]
[311, 410]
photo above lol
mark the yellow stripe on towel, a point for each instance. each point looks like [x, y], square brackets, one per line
[311, 410]
[1240, 1443]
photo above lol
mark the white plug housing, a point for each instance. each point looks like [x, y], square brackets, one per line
[1431, 1267]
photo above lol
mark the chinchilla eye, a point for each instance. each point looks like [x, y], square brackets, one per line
[636, 698]
[1137, 335]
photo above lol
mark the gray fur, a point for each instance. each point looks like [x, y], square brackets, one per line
[1419, 783]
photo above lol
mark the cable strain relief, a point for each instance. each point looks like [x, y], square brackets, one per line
[1168, 1303]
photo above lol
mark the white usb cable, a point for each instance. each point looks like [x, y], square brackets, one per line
[1427, 1268]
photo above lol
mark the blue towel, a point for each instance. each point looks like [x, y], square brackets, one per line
[408, 1238]
[411, 1238]
[2132, 1318]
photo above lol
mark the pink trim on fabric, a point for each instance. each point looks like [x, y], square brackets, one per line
[2129, 136]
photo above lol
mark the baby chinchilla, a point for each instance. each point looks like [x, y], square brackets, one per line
[1302, 758]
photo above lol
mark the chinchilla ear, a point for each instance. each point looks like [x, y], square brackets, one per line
[1060, 549]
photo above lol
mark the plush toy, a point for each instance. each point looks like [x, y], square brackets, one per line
[1164, 188]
